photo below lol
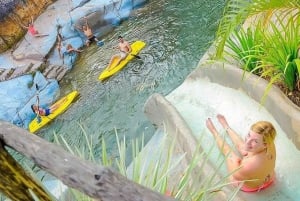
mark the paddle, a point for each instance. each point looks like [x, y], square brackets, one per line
[100, 43]
[136, 56]
[38, 116]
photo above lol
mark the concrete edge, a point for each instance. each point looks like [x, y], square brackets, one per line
[166, 117]
[286, 113]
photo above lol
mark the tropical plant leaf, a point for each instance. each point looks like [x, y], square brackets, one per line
[245, 46]
[289, 75]
[297, 62]
[237, 11]
[154, 168]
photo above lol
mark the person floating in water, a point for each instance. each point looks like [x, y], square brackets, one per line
[31, 29]
[71, 49]
[65, 50]
[86, 29]
[124, 48]
[253, 165]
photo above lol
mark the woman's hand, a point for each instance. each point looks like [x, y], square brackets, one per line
[233, 158]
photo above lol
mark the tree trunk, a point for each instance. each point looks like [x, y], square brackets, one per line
[15, 183]
[94, 180]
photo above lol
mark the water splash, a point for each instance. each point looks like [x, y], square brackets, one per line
[199, 99]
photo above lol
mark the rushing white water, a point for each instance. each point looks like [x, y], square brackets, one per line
[200, 99]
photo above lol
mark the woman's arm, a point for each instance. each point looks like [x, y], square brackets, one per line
[76, 50]
[240, 169]
[223, 146]
[236, 139]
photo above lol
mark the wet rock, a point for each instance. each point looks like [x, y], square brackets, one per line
[8, 74]
[21, 13]
[55, 72]
[49, 71]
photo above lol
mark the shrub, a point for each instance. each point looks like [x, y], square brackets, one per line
[270, 51]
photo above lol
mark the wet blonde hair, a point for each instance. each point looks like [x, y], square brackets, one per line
[266, 129]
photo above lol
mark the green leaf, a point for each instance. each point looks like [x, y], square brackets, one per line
[297, 62]
[237, 11]
[290, 75]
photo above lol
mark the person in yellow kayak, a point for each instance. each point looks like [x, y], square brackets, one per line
[43, 111]
[40, 111]
[124, 48]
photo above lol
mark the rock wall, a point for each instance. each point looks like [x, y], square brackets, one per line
[11, 30]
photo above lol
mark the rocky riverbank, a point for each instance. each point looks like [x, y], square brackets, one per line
[34, 54]
[13, 13]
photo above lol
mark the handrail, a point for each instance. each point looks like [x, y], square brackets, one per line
[94, 180]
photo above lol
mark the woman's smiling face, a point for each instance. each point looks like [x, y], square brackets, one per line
[254, 142]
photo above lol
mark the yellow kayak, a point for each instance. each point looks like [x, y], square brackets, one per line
[63, 103]
[136, 47]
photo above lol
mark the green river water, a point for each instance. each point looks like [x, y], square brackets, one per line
[177, 33]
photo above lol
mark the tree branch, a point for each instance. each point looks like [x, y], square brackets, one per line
[94, 180]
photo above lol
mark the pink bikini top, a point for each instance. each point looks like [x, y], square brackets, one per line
[32, 30]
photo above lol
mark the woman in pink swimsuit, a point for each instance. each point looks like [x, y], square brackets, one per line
[252, 162]
[31, 29]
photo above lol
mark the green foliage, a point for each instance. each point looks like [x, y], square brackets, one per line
[246, 47]
[237, 11]
[272, 52]
[281, 46]
[157, 167]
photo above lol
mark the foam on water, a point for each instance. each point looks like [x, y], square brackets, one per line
[56, 187]
[196, 100]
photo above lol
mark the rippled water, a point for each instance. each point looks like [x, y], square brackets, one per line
[177, 33]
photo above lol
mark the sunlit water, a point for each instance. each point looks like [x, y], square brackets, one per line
[198, 100]
[177, 34]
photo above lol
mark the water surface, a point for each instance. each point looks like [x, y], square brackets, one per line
[177, 33]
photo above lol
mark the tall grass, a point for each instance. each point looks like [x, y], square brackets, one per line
[158, 168]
